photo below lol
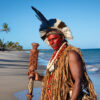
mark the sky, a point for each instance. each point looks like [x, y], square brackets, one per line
[81, 16]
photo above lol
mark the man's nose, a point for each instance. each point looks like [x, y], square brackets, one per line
[51, 42]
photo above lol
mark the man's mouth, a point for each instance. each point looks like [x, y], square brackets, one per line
[53, 46]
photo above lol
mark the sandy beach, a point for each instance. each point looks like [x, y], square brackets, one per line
[13, 74]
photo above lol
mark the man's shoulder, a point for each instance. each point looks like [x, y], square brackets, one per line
[73, 51]
[73, 54]
[72, 48]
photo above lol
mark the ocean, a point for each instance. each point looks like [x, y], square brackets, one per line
[91, 58]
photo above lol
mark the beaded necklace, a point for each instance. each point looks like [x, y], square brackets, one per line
[55, 57]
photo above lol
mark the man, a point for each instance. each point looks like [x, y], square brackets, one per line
[66, 77]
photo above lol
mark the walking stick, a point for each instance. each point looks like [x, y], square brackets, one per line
[31, 68]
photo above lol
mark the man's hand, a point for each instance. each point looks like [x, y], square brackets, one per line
[36, 76]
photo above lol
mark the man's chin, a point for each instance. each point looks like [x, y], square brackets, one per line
[55, 48]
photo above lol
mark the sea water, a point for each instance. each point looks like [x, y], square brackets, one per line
[91, 58]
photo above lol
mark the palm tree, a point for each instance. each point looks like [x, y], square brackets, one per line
[5, 27]
[1, 43]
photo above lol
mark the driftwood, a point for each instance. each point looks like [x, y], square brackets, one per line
[31, 68]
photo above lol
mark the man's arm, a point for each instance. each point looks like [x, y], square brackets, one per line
[75, 65]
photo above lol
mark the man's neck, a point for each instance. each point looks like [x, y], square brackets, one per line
[59, 47]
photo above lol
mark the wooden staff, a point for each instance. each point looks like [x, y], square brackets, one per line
[31, 68]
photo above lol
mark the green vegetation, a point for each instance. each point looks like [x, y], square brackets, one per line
[5, 28]
[9, 45]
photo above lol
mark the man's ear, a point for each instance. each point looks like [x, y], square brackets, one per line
[62, 37]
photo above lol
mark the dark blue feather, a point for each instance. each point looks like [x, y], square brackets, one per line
[41, 17]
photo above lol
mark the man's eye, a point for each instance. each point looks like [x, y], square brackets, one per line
[54, 38]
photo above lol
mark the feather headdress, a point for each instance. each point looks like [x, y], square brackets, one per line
[52, 24]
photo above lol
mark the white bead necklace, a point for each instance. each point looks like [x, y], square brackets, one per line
[50, 65]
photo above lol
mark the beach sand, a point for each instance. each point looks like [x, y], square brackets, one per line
[13, 74]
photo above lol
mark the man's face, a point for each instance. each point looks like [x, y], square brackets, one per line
[55, 41]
